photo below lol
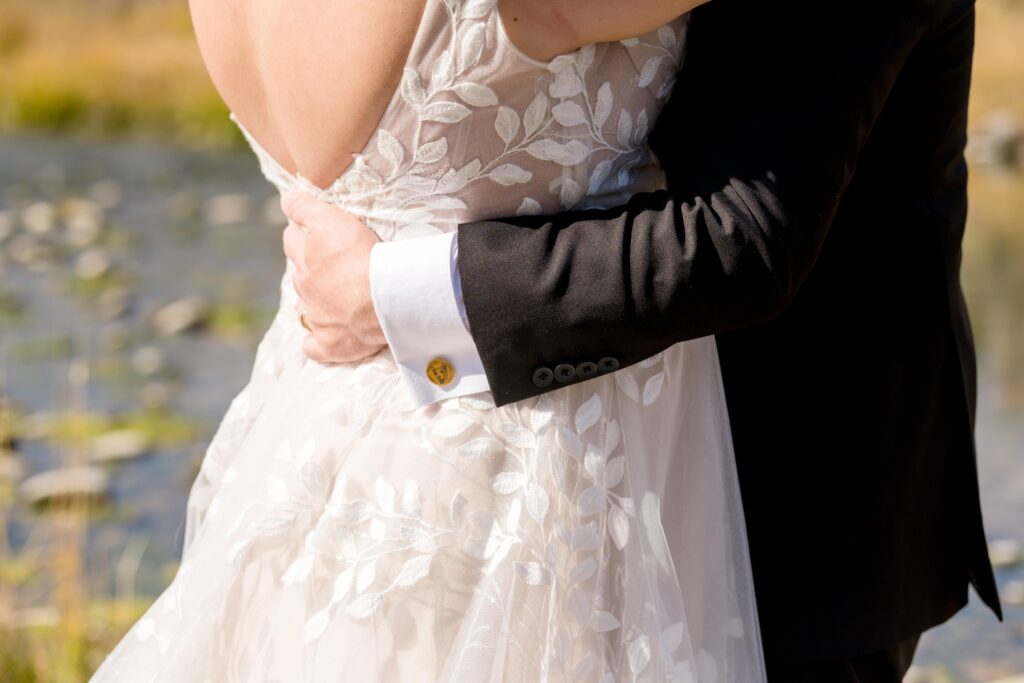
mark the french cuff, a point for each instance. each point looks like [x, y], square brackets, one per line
[413, 287]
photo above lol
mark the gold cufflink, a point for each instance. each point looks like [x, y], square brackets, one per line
[440, 371]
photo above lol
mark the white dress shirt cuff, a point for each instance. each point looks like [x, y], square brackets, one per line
[416, 293]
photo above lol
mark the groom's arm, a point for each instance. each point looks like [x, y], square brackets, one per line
[759, 142]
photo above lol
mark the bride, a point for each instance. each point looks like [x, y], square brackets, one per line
[339, 531]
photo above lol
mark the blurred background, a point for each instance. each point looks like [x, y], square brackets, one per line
[139, 266]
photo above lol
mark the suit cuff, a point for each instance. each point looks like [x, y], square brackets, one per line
[417, 297]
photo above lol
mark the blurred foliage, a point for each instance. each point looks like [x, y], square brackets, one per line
[998, 78]
[107, 69]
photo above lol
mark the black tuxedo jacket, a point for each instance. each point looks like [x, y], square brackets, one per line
[815, 207]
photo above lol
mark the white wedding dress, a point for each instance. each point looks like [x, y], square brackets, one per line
[336, 533]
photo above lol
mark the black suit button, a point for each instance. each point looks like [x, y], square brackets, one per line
[586, 369]
[542, 376]
[565, 373]
[608, 364]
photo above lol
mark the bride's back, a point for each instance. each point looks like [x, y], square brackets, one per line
[309, 79]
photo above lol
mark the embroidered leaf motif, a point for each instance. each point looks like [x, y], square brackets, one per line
[625, 130]
[444, 70]
[568, 114]
[585, 57]
[342, 586]
[603, 105]
[508, 482]
[614, 471]
[639, 654]
[541, 415]
[298, 570]
[667, 37]
[652, 361]
[594, 462]
[413, 570]
[571, 194]
[412, 501]
[628, 385]
[529, 207]
[602, 621]
[592, 501]
[476, 94]
[649, 71]
[364, 605]
[479, 448]
[471, 49]
[533, 573]
[507, 124]
[536, 501]
[641, 125]
[315, 626]
[445, 112]
[588, 413]
[518, 436]
[585, 538]
[570, 442]
[618, 526]
[451, 426]
[420, 539]
[583, 570]
[390, 148]
[535, 114]
[672, 637]
[412, 88]
[567, 84]
[510, 174]
[652, 388]
[431, 153]
[477, 9]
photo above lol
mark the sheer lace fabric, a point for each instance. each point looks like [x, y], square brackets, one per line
[337, 533]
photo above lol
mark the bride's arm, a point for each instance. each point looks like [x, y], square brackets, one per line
[546, 28]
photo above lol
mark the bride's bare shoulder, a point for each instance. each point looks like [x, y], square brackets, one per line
[546, 28]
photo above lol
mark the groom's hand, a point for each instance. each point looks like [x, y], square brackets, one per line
[331, 253]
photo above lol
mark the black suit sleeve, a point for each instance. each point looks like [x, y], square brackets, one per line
[759, 141]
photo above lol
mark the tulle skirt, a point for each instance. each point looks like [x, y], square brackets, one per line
[336, 533]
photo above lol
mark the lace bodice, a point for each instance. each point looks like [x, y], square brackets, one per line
[478, 129]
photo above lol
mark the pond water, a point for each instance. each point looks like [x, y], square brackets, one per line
[177, 223]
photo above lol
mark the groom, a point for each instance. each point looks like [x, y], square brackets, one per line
[815, 206]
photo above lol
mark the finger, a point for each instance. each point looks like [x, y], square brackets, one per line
[294, 242]
[313, 350]
[307, 210]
